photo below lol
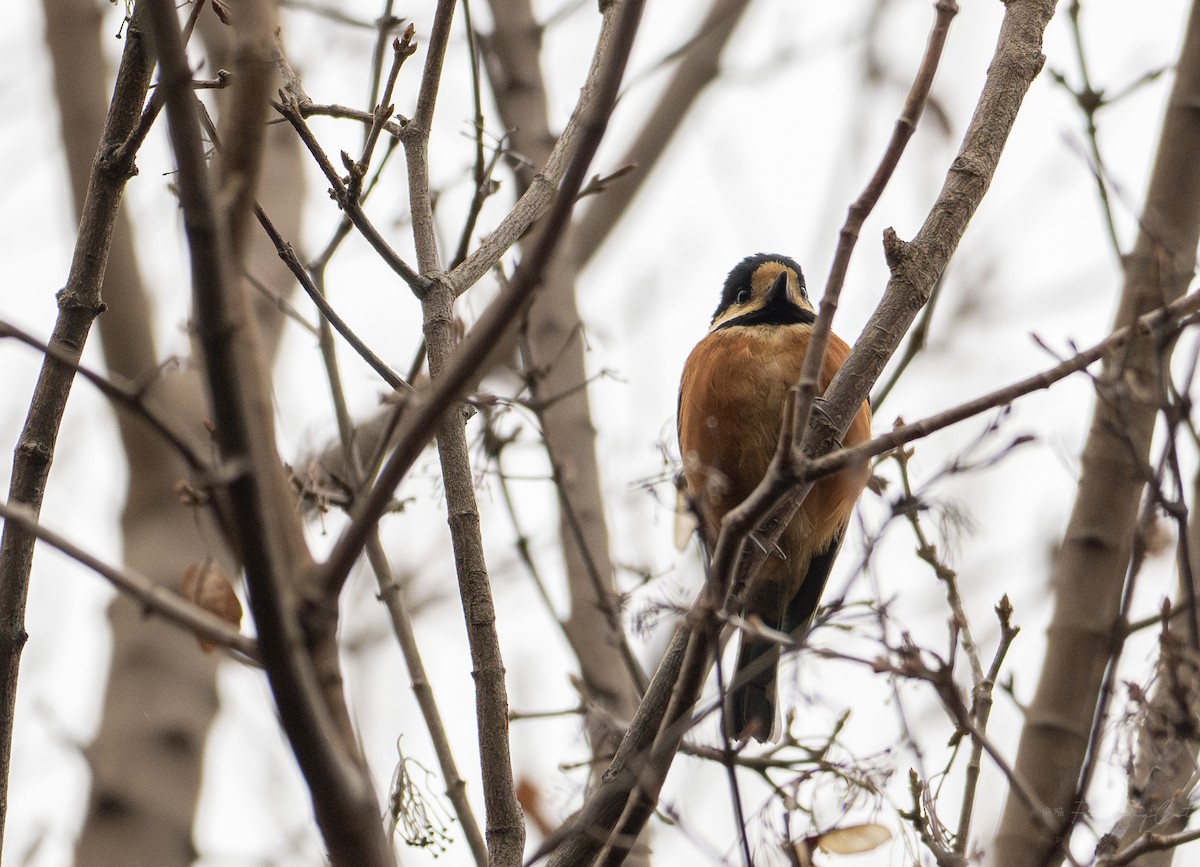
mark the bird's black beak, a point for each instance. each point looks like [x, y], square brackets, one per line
[778, 293]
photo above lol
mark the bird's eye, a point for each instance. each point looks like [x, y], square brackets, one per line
[742, 297]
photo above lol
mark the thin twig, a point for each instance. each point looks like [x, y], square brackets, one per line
[981, 709]
[927, 827]
[402, 48]
[393, 128]
[384, 25]
[122, 395]
[1090, 101]
[288, 255]
[941, 679]
[292, 112]
[481, 172]
[928, 552]
[391, 593]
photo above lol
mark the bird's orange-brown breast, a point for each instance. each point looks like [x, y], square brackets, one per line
[732, 393]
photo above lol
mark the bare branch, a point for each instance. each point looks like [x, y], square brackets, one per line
[941, 678]
[906, 125]
[1149, 843]
[366, 118]
[123, 396]
[981, 708]
[293, 114]
[402, 49]
[1168, 318]
[288, 255]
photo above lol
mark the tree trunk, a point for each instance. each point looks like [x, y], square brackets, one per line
[161, 698]
[556, 367]
[1089, 572]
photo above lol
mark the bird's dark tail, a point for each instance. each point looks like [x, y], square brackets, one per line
[750, 712]
[750, 709]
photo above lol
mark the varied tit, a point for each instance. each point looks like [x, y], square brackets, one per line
[730, 410]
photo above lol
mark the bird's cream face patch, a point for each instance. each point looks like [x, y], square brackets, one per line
[761, 281]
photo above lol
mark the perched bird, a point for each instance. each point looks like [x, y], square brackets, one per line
[730, 410]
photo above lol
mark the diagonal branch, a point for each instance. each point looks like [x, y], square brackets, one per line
[154, 597]
[391, 593]
[906, 125]
[121, 395]
[1164, 321]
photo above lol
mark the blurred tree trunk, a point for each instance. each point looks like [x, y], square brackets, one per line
[555, 366]
[161, 699]
[1090, 570]
[554, 348]
[553, 359]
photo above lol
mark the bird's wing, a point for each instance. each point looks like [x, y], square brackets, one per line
[799, 613]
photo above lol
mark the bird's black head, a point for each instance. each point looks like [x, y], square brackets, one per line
[764, 289]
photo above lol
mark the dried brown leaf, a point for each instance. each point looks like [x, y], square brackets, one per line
[207, 585]
[850, 840]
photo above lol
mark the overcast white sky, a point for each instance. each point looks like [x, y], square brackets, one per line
[768, 161]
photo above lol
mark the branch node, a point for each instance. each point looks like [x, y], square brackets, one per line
[70, 298]
[894, 249]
